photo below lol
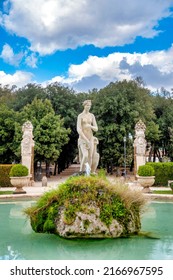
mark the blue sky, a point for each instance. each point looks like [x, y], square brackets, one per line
[86, 44]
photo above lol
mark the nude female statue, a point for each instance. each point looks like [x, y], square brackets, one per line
[87, 143]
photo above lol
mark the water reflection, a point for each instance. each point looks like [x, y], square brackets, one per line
[18, 241]
[10, 254]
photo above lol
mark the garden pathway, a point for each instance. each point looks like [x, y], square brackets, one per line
[37, 189]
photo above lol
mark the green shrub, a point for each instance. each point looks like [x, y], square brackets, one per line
[102, 173]
[4, 175]
[163, 172]
[146, 170]
[18, 170]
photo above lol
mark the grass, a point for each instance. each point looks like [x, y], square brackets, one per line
[6, 192]
[163, 192]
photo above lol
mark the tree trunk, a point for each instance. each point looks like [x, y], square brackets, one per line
[55, 168]
[47, 169]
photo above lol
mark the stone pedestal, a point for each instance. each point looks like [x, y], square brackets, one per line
[19, 183]
[146, 182]
[44, 181]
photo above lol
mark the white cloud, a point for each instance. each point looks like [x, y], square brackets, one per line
[9, 56]
[50, 25]
[15, 59]
[156, 69]
[19, 78]
[31, 60]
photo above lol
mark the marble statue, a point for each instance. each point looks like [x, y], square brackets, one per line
[27, 148]
[139, 145]
[87, 143]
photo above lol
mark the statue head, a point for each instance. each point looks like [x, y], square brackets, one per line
[87, 104]
[27, 126]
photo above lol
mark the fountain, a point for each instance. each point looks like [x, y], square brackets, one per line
[87, 169]
[24, 243]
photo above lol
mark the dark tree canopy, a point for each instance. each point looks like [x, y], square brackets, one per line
[53, 111]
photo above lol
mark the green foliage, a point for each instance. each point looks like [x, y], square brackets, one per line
[163, 172]
[70, 213]
[163, 107]
[7, 132]
[102, 173]
[49, 132]
[50, 136]
[114, 209]
[106, 214]
[6, 192]
[4, 175]
[37, 110]
[7, 95]
[18, 170]
[117, 108]
[26, 94]
[65, 103]
[163, 192]
[115, 202]
[146, 170]
[152, 132]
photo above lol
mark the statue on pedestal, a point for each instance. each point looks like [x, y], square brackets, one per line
[27, 147]
[139, 145]
[87, 143]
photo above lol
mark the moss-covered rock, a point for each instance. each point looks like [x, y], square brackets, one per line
[88, 207]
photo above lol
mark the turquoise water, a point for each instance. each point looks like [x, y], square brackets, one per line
[19, 241]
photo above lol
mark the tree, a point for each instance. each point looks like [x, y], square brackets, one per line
[153, 135]
[7, 132]
[26, 94]
[117, 108]
[163, 108]
[7, 95]
[48, 129]
[65, 102]
[50, 136]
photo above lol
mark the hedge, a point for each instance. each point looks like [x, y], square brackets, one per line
[146, 170]
[163, 172]
[4, 175]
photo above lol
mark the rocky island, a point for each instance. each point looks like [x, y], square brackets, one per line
[88, 207]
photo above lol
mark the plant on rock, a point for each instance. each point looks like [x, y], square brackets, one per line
[88, 207]
[19, 177]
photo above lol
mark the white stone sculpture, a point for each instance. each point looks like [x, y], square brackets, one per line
[87, 169]
[139, 145]
[27, 147]
[87, 143]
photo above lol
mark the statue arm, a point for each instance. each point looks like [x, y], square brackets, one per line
[94, 126]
